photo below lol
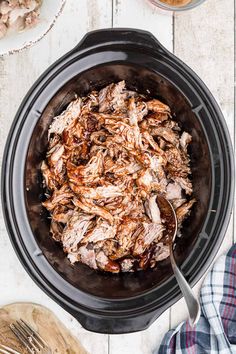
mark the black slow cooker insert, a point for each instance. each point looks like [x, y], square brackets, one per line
[121, 303]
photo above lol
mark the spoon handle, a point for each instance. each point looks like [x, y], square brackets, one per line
[192, 302]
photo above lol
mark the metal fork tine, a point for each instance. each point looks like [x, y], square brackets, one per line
[34, 333]
[21, 338]
[27, 337]
[10, 350]
[29, 334]
[22, 332]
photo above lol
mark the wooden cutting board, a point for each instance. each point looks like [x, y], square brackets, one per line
[58, 337]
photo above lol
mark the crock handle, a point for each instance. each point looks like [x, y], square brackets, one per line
[122, 36]
[117, 325]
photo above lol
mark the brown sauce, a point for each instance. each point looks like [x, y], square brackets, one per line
[177, 2]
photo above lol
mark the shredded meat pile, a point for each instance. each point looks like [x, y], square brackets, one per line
[110, 154]
[17, 15]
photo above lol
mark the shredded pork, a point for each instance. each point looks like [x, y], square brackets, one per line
[110, 154]
[18, 15]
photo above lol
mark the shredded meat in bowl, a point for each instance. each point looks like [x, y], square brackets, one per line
[110, 154]
[18, 15]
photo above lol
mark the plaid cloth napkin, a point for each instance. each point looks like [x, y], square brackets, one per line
[215, 333]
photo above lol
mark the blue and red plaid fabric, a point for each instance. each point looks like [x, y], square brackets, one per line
[216, 330]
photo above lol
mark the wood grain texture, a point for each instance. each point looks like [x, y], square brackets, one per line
[204, 40]
[44, 322]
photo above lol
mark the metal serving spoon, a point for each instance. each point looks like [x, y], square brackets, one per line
[192, 302]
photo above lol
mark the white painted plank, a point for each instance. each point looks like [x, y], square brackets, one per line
[204, 40]
[143, 15]
[17, 74]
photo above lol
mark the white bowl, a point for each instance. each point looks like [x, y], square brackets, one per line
[16, 42]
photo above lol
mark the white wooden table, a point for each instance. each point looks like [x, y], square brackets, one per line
[203, 38]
